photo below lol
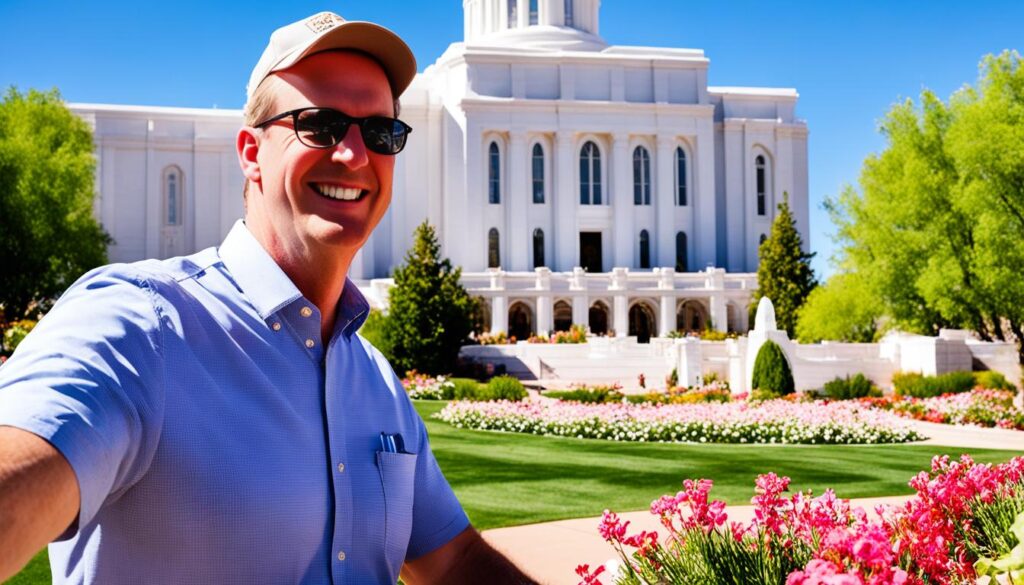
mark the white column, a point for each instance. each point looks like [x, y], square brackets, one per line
[621, 198]
[620, 301]
[516, 202]
[689, 367]
[499, 302]
[665, 201]
[545, 309]
[715, 282]
[667, 319]
[564, 204]
[580, 301]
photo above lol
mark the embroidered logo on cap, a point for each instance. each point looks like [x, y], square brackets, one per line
[323, 21]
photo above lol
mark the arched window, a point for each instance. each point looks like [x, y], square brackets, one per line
[680, 177]
[173, 196]
[590, 174]
[645, 249]
[681, 252]
[493, 255]
[493, 174]
[759, 166]
[538, 248]
[568, 13]
[538, 174]
[641, 176]
[533, 11]
[763, 238]
[513, 13]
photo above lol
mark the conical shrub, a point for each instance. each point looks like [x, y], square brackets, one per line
[772, 371]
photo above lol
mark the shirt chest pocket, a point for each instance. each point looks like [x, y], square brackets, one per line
[397, 475]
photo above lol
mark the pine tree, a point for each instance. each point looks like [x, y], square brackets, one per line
[784, 274]
[429, 314]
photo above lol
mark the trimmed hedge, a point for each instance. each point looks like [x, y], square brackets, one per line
[772, 371]
[505, 388]
[918, 385]
[849, 388]
[595, 395]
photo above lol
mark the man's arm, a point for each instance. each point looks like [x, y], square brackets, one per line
[467, 558]
[39, 497]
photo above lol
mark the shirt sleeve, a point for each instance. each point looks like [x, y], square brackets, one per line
[89, 379]
[437, 515]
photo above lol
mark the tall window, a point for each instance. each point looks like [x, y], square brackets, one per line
[641, 176]
[568, 13]
[762, 239]
[681, 252]
[493, 174]
[513, 13]
[538, 248]
[645, 249]
[538, 174]
[533, 11]
[680, 177]
[172, 196]
[493, 256]
[590, 174]
[759, 166]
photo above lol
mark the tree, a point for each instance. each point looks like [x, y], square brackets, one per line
[936, 227]
[49, 236]
[784, 273]
[429, 311]
[843, 309]
[772, 371]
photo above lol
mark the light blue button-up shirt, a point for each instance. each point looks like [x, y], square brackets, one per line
[215, 439]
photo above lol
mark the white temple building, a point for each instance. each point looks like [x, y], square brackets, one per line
[574, 181]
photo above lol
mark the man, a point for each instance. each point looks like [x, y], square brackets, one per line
[215, 418]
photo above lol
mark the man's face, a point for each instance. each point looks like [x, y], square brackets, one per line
[297, 211]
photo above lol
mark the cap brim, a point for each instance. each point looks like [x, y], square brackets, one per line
[380, 43]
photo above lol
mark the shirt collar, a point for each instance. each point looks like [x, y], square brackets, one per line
[269, 288]
[262, 281]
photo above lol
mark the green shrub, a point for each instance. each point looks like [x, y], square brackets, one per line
[672, 380]
[16, 333]
[771, 370]
[849, 388]
[918, 385]
[465, 389]
[758, 395]
[505, 388]
[374, 330]
[595, 395]
[992, 381]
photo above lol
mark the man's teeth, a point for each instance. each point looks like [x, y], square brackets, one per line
[343, 193]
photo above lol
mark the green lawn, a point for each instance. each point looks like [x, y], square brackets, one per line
[506, 479]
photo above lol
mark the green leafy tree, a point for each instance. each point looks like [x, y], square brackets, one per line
[784, 272]
[429, 314]
[772, 371]
[49, 236]
[843, 309]
[937, 226]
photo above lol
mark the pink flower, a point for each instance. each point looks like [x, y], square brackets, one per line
[588, 577]
[612, 528]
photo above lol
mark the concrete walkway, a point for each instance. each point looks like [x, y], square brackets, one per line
[550, 552]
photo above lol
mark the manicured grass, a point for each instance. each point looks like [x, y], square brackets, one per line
[508, 479]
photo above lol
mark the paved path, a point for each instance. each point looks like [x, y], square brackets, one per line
[550, 552]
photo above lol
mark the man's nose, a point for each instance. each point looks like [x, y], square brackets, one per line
[351, 151]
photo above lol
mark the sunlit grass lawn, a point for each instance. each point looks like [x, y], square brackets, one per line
[508, 479]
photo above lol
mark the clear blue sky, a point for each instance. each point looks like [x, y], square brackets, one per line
[849, 60]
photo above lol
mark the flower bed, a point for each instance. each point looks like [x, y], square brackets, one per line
[965, 525]
[424, 387]
[986, 408]
[775, 421]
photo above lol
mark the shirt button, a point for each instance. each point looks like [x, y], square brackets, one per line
[305, 311]
[276, 326]
[341, 556]
[341, 468]
[310, 343]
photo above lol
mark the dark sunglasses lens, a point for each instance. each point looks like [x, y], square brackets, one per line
[384, 135]
[321, 128]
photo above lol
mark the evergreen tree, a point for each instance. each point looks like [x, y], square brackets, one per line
[429, 314]
[772, 371]
[784, 274]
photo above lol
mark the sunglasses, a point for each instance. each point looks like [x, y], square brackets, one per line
[325, 128]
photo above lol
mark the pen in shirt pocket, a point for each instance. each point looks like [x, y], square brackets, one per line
[392, 443]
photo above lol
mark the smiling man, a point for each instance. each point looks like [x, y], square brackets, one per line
[215, 418]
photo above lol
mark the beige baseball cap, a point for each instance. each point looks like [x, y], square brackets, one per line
[326, 30]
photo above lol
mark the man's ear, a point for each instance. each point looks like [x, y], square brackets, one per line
[247, 146]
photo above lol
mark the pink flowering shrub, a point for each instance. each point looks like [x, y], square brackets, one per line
[986, 408]
[963, 521]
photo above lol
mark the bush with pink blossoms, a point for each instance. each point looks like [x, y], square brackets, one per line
[986, 408]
